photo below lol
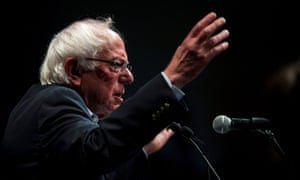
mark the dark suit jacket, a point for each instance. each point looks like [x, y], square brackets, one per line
[51, 135]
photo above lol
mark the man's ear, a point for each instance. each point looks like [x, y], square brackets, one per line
[72, 70]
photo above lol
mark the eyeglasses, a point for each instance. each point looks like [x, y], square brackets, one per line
[116, 65]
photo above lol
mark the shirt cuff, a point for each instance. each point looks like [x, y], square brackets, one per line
[177, 92]
[145, 152]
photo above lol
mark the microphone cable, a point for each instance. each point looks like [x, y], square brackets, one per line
[188, 134]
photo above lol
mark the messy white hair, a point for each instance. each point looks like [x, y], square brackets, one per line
[82, 38]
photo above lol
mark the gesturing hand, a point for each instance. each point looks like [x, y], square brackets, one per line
[159, 141]
[205, 41]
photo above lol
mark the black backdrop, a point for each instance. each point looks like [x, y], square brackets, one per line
[264, 39]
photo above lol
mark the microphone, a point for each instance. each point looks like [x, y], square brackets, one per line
[223, 124]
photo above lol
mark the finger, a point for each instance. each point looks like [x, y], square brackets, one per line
[216, 39]
[218, 50]
[220, 36]
[211, 29]
[209, 18]
[169, 132]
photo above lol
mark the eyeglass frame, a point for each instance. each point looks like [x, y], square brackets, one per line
[115, 66]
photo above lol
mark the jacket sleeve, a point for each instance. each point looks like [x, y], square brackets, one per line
[79, 143]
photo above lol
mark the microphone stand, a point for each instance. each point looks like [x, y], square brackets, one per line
[187, 133]
[271, 136]
[287, 162]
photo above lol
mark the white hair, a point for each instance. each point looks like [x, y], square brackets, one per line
[82, 38]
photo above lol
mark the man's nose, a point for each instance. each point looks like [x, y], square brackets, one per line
[126, 76]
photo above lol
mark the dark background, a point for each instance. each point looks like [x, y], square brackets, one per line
[242, 82]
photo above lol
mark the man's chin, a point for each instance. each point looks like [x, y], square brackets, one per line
[116, 106]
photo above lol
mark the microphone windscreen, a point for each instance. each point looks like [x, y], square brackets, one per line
[221, 124]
